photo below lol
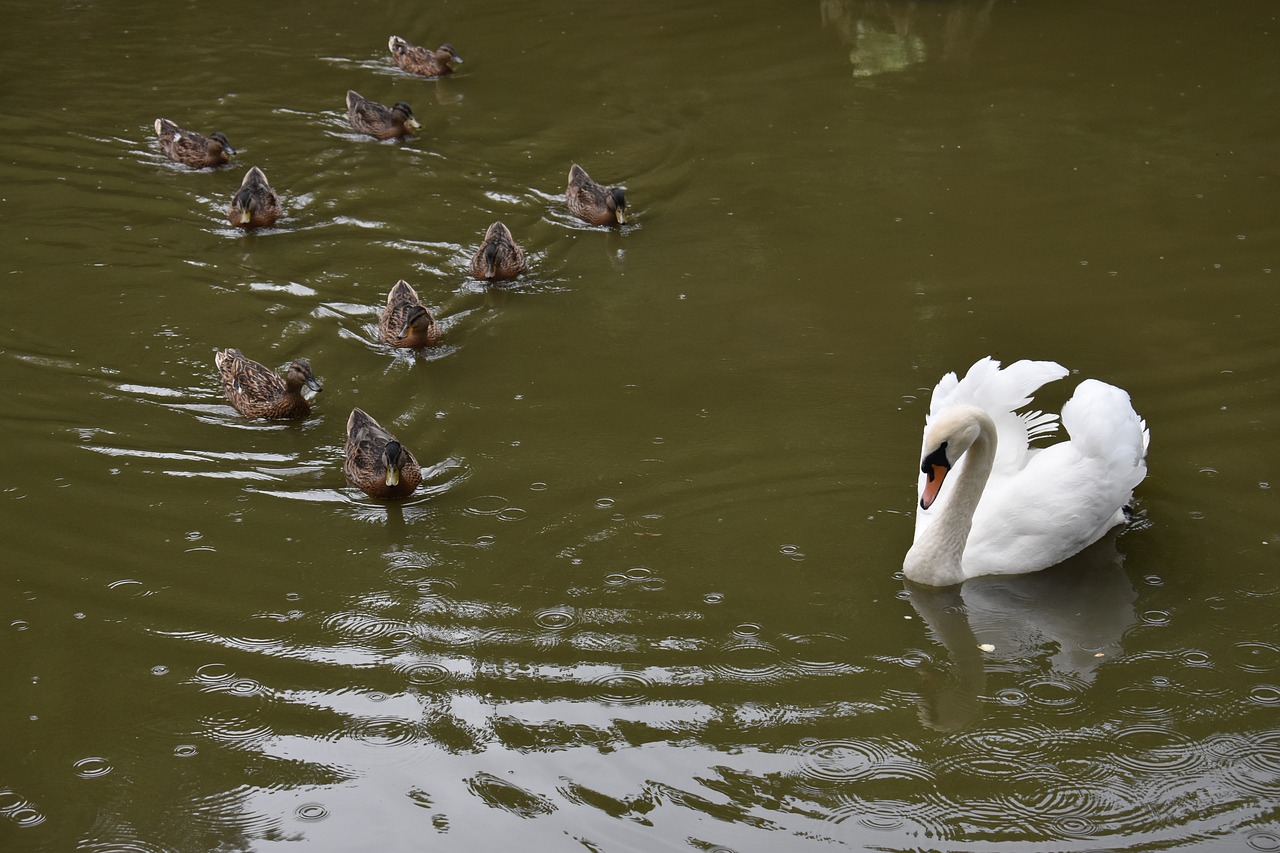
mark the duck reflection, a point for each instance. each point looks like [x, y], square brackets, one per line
[891, 35]
[1073, 616]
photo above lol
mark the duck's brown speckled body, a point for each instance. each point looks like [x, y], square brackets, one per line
[592, 202]
[406, 322]
[423, 60]
[189, 147]
[255, 204]
[498, 258]
[376, 463]
[378, 121]
[256, 391]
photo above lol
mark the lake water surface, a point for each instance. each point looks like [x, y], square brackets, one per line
[650, 595]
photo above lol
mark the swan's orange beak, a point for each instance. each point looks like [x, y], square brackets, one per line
[933, 485]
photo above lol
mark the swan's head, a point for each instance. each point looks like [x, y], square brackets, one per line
[945, 441]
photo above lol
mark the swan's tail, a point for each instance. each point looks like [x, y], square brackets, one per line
[1103, 425]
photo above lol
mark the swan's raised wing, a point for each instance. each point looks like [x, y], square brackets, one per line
[1000, 393]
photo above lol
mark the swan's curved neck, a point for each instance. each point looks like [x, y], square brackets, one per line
[935, 557]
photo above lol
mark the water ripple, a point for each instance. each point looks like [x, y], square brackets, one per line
[1251, 763]
[237, 731]
[1152, 748]
[20, 810]
[92, 767]
[227, 811]
[311, 812]
[1256, 657]
[382, 731]
[508, 796]
[819, 654]
[622, 688]
[852, 760]
[427, 674]
[362, 626]
[900, 817]
[556, 618]
[749, 661]
[1060, 693]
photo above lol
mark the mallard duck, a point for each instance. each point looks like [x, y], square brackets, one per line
[256, 391]
[422, 60]
[378, 121]
[406, 322]
[498, 257]
[592, 202]
[376, 463]
[189, 147]
[255, 204]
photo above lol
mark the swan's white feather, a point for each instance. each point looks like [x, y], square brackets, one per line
[1041, 506]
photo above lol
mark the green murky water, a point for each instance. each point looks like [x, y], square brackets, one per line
[647, 599]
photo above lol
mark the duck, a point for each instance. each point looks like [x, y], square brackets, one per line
[990, 503]
[378, 121]
[406, 322]
[189, 147]
[376, 463]
[255, 204]
[257, 391]
[423, 60]
[498, 258]
[592, 202]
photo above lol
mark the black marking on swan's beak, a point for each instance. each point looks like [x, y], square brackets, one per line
[935, 467]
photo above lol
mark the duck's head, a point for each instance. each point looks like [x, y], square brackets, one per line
[300, 374]
[406, 113]
[393, 459]
[418, 318]
[221, 138]
[617, 204]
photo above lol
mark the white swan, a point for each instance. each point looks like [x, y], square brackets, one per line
[1011, 508]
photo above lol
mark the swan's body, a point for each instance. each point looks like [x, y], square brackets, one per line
[1009, 508]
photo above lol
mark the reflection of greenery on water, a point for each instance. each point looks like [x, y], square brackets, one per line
[876, 51]
[891, 35]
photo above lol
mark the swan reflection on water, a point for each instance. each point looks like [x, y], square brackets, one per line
[1067, 620]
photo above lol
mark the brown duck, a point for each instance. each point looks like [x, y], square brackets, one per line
[592, 202]
[189, 147]
[379, 121]
[255, 204]
[406, 322]
[498, 258]
[423, 60]
[376, 463]
[256, 391]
